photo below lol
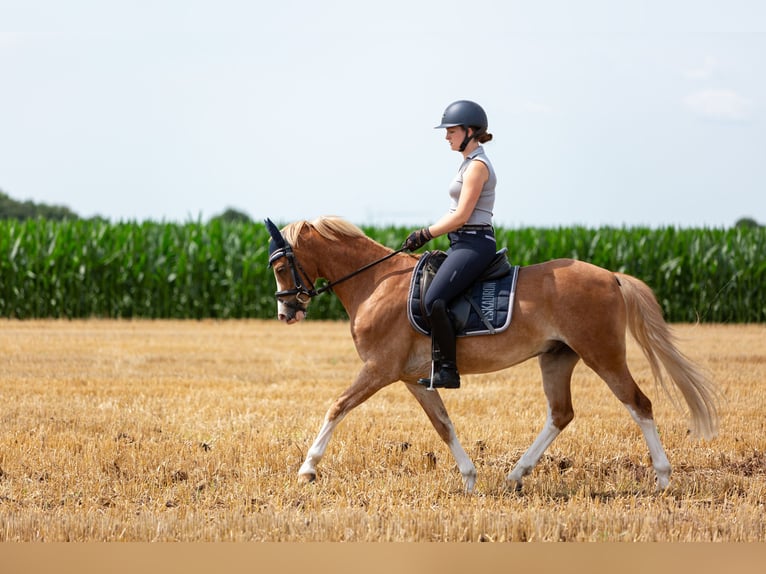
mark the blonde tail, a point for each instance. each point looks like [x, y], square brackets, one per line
[648, 328]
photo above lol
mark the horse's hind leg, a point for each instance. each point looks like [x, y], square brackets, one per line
[615, 373]
[660, 460]
[557, 367]
[640, 408]
[437, 413]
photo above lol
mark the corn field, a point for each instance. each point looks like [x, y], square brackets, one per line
[80, 269]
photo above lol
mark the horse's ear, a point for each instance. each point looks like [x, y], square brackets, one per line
[278, 247]
[276, 235]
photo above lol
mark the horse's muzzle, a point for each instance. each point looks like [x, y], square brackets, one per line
[291, 311]
[292, 317]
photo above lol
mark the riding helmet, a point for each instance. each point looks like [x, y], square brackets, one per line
[464, 113]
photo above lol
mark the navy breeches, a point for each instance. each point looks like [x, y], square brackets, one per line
[470, 253]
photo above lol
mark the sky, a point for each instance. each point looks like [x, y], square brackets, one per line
[604, 113]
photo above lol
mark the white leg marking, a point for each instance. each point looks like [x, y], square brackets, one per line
[316, 452]
[530, 458]
[659, 458]
[435, 409]
[464, 463]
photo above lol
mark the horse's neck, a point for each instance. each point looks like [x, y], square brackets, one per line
[337, 259]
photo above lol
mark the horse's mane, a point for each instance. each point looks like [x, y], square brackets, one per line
[329, 227]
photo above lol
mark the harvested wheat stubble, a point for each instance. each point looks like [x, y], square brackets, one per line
[185, 430]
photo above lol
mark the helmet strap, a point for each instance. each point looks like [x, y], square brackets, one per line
[466, 139]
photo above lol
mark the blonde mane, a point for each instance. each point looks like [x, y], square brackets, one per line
[329, 227]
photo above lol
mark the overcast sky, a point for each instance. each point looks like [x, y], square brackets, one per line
[604, 112]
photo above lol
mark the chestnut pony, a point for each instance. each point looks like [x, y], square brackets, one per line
[565, 311]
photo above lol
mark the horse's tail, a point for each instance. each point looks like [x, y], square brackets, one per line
[653, 334]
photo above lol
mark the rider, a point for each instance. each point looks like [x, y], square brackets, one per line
[469, 225]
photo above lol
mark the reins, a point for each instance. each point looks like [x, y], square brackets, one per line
[331, 284]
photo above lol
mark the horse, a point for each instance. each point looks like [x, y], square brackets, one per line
[565, 311]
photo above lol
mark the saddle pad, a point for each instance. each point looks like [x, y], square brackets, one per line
[484, 309]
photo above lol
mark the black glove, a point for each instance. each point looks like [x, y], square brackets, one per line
[417, 239]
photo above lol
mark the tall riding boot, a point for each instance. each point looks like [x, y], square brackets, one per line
[444, 372]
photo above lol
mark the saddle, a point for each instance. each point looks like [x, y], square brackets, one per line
[485, 308]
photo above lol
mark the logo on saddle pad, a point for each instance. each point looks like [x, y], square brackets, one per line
[484, 309]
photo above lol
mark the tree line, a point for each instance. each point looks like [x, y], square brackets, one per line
[22, 210]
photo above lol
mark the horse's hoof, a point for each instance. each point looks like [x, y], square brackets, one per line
[469, 483]
[662, 484]
[307, 478]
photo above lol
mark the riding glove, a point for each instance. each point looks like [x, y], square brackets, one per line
[417, 239]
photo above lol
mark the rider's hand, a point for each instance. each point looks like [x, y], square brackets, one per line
[417, 239]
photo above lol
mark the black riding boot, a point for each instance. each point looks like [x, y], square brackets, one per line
[443, 350]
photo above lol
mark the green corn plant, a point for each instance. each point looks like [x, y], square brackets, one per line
[196, 270]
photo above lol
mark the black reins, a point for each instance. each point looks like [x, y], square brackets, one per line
[331, 284]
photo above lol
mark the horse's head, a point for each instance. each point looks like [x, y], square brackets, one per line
[313, 241]
[294, 287]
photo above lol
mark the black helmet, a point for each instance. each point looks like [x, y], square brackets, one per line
[464, 113]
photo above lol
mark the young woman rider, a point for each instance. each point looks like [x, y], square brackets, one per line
[468, 224]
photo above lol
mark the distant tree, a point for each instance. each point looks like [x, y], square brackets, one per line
[747, 222]
[21, 210]
[232, 215]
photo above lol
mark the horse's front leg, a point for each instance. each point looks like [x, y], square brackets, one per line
[437, 413]
[308, 471]
[369, 381]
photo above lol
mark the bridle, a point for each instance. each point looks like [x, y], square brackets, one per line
[302, 293]
[304, 289]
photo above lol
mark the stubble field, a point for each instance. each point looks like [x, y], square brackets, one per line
[194, 431]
